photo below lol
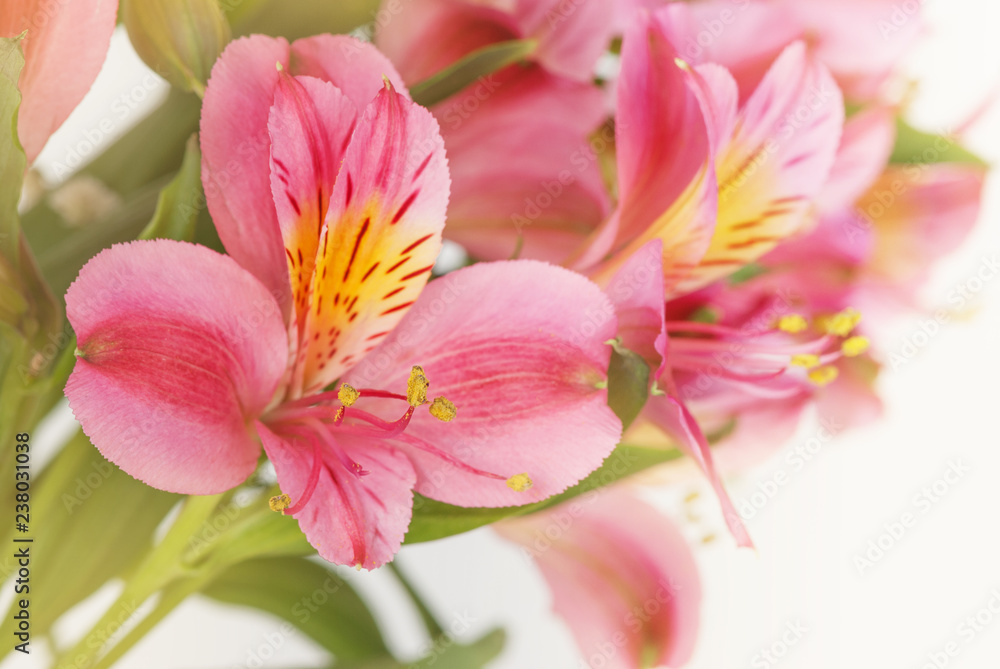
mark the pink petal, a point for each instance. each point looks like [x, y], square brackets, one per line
[663, 144]
[744, 38]
[525, 171]
[636, 291]
[426, 36]
[355, 67]
[381, 236]
[181, 349]
[236, 150]
[665, 178]
[864, 152]
[63, 52]
[519, 347]
[919, 213]
[310, 126]
[861, 41]
[776, 163]
[571, 36]
[350, 519]
[670, 415]
[622, 577]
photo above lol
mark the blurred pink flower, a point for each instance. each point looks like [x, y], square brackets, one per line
[622, 577]
[720, 183]
[329, 188]
[525, 178]
[64, 47]
[862, 42]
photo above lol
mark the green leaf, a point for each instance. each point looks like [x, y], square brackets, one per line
[918, 147]
[309, 596]
[436, 520]
[91, 522]
[180, 202]
[478, 64]
[446, 654]
[266, 534]
[12, 160]
[628, 384]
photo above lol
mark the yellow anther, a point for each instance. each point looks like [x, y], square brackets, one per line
[416, 387]
[278, 66]
[443, 409]
[519, 482]
[358, 566]
[822, 376]
[793, 324]
[279, 503]
[855, 346]
[347, 395]
[842, 324]
[339, 416]
[807, 360]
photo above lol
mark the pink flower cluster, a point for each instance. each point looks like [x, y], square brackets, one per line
[702, 182]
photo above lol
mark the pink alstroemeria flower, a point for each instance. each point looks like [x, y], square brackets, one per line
[329, 189]
[719, 182]
[762, 360]
[64, 48]
[621, 575]
[525, 179]
[425, 36]
[862, 42]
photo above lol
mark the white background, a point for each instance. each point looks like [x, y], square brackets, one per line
[942, 407]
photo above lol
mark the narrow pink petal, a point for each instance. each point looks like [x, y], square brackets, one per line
[618, 569]
[351, 519]
[526, 171]
[64, 49]
[666, 179]
[636, 291]
[775, 165]
[864, 152]
[236, 156]
[355, 67]
[180, 350]
[381, 236]
[663, 143]
[674, 418]
[520, 348]
[310, 126]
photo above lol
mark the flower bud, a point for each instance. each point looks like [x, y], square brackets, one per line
[180, 39]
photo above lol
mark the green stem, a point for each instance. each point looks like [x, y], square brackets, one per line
[171, 598]
[160, 568]
[434, 628]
